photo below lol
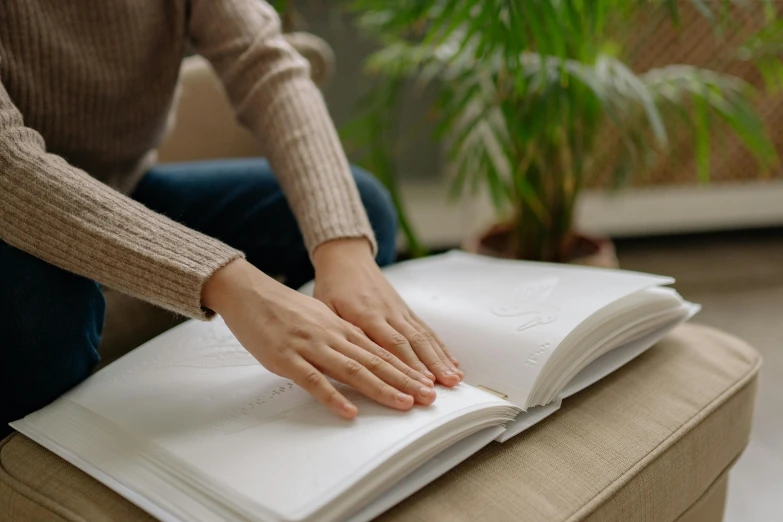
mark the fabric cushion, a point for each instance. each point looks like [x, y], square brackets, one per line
[653, 441]
[710, 506]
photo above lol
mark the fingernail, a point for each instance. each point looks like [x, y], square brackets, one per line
[431, 375]
[425, 391]
[427, 382]
[347, 406]
[403, 397]
[448, 372]
[454, 369]
[454, 360]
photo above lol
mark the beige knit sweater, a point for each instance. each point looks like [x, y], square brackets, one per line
[85, 92]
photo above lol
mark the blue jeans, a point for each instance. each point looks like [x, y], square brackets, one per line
[51, 320]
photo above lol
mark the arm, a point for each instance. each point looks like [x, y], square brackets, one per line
[269, 86]
[60, 214]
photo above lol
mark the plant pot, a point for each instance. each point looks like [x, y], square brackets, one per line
[597, 251]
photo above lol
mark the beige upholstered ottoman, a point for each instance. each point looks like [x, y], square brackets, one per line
[655, 442]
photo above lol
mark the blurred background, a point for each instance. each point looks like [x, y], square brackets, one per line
[639, 134]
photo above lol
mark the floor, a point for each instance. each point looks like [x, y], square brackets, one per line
[738, 279]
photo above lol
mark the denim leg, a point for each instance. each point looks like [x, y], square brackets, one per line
[383, 216]
[51, 322]
[240, 202]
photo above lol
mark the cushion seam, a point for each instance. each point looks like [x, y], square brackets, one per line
[724, 473]
[33, 496]
[668, 442]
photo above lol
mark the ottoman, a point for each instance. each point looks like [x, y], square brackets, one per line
[652, 442]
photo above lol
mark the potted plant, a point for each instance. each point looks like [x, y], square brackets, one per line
[525, 91]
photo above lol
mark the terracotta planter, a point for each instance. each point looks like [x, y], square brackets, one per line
[586, 250]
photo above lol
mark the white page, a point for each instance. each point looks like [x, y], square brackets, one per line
[429, 471]
[592, 373]
[528, 419]
[198, 395]
[618, 357]
[503, 319]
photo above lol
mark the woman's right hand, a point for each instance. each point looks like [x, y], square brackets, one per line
[300, 338]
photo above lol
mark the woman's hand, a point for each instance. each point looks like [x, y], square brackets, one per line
[298, 337]
[348, 280]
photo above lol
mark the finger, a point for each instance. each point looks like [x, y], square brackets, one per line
[384, 335]
[426, 353]
[308, 377]
[420, 390]
[358, 337]
[353, 373]
[426, 332]
[437, 338]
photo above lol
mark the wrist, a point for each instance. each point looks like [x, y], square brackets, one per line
[337, 252]
[227, 284]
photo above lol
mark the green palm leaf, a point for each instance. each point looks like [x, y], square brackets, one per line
[525, 91]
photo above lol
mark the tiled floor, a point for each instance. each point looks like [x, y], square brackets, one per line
[739, 282]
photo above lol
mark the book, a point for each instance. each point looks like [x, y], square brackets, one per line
[190, 427]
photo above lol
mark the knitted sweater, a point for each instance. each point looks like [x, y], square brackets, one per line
[86, 89]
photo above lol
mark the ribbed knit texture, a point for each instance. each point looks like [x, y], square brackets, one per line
[86, 90]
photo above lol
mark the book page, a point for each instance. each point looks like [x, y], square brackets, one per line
[198, 395]
[503, 319]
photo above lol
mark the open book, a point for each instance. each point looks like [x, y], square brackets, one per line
[191, 428]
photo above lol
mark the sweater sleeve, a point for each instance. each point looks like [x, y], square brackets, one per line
[269, 85]
[60, 214]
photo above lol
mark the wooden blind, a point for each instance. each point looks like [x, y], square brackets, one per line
[657, 42]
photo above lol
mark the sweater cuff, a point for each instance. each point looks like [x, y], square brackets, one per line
[193, 307]
[320, 232]
[178, 282]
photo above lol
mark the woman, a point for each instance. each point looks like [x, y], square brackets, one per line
[85, 93]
